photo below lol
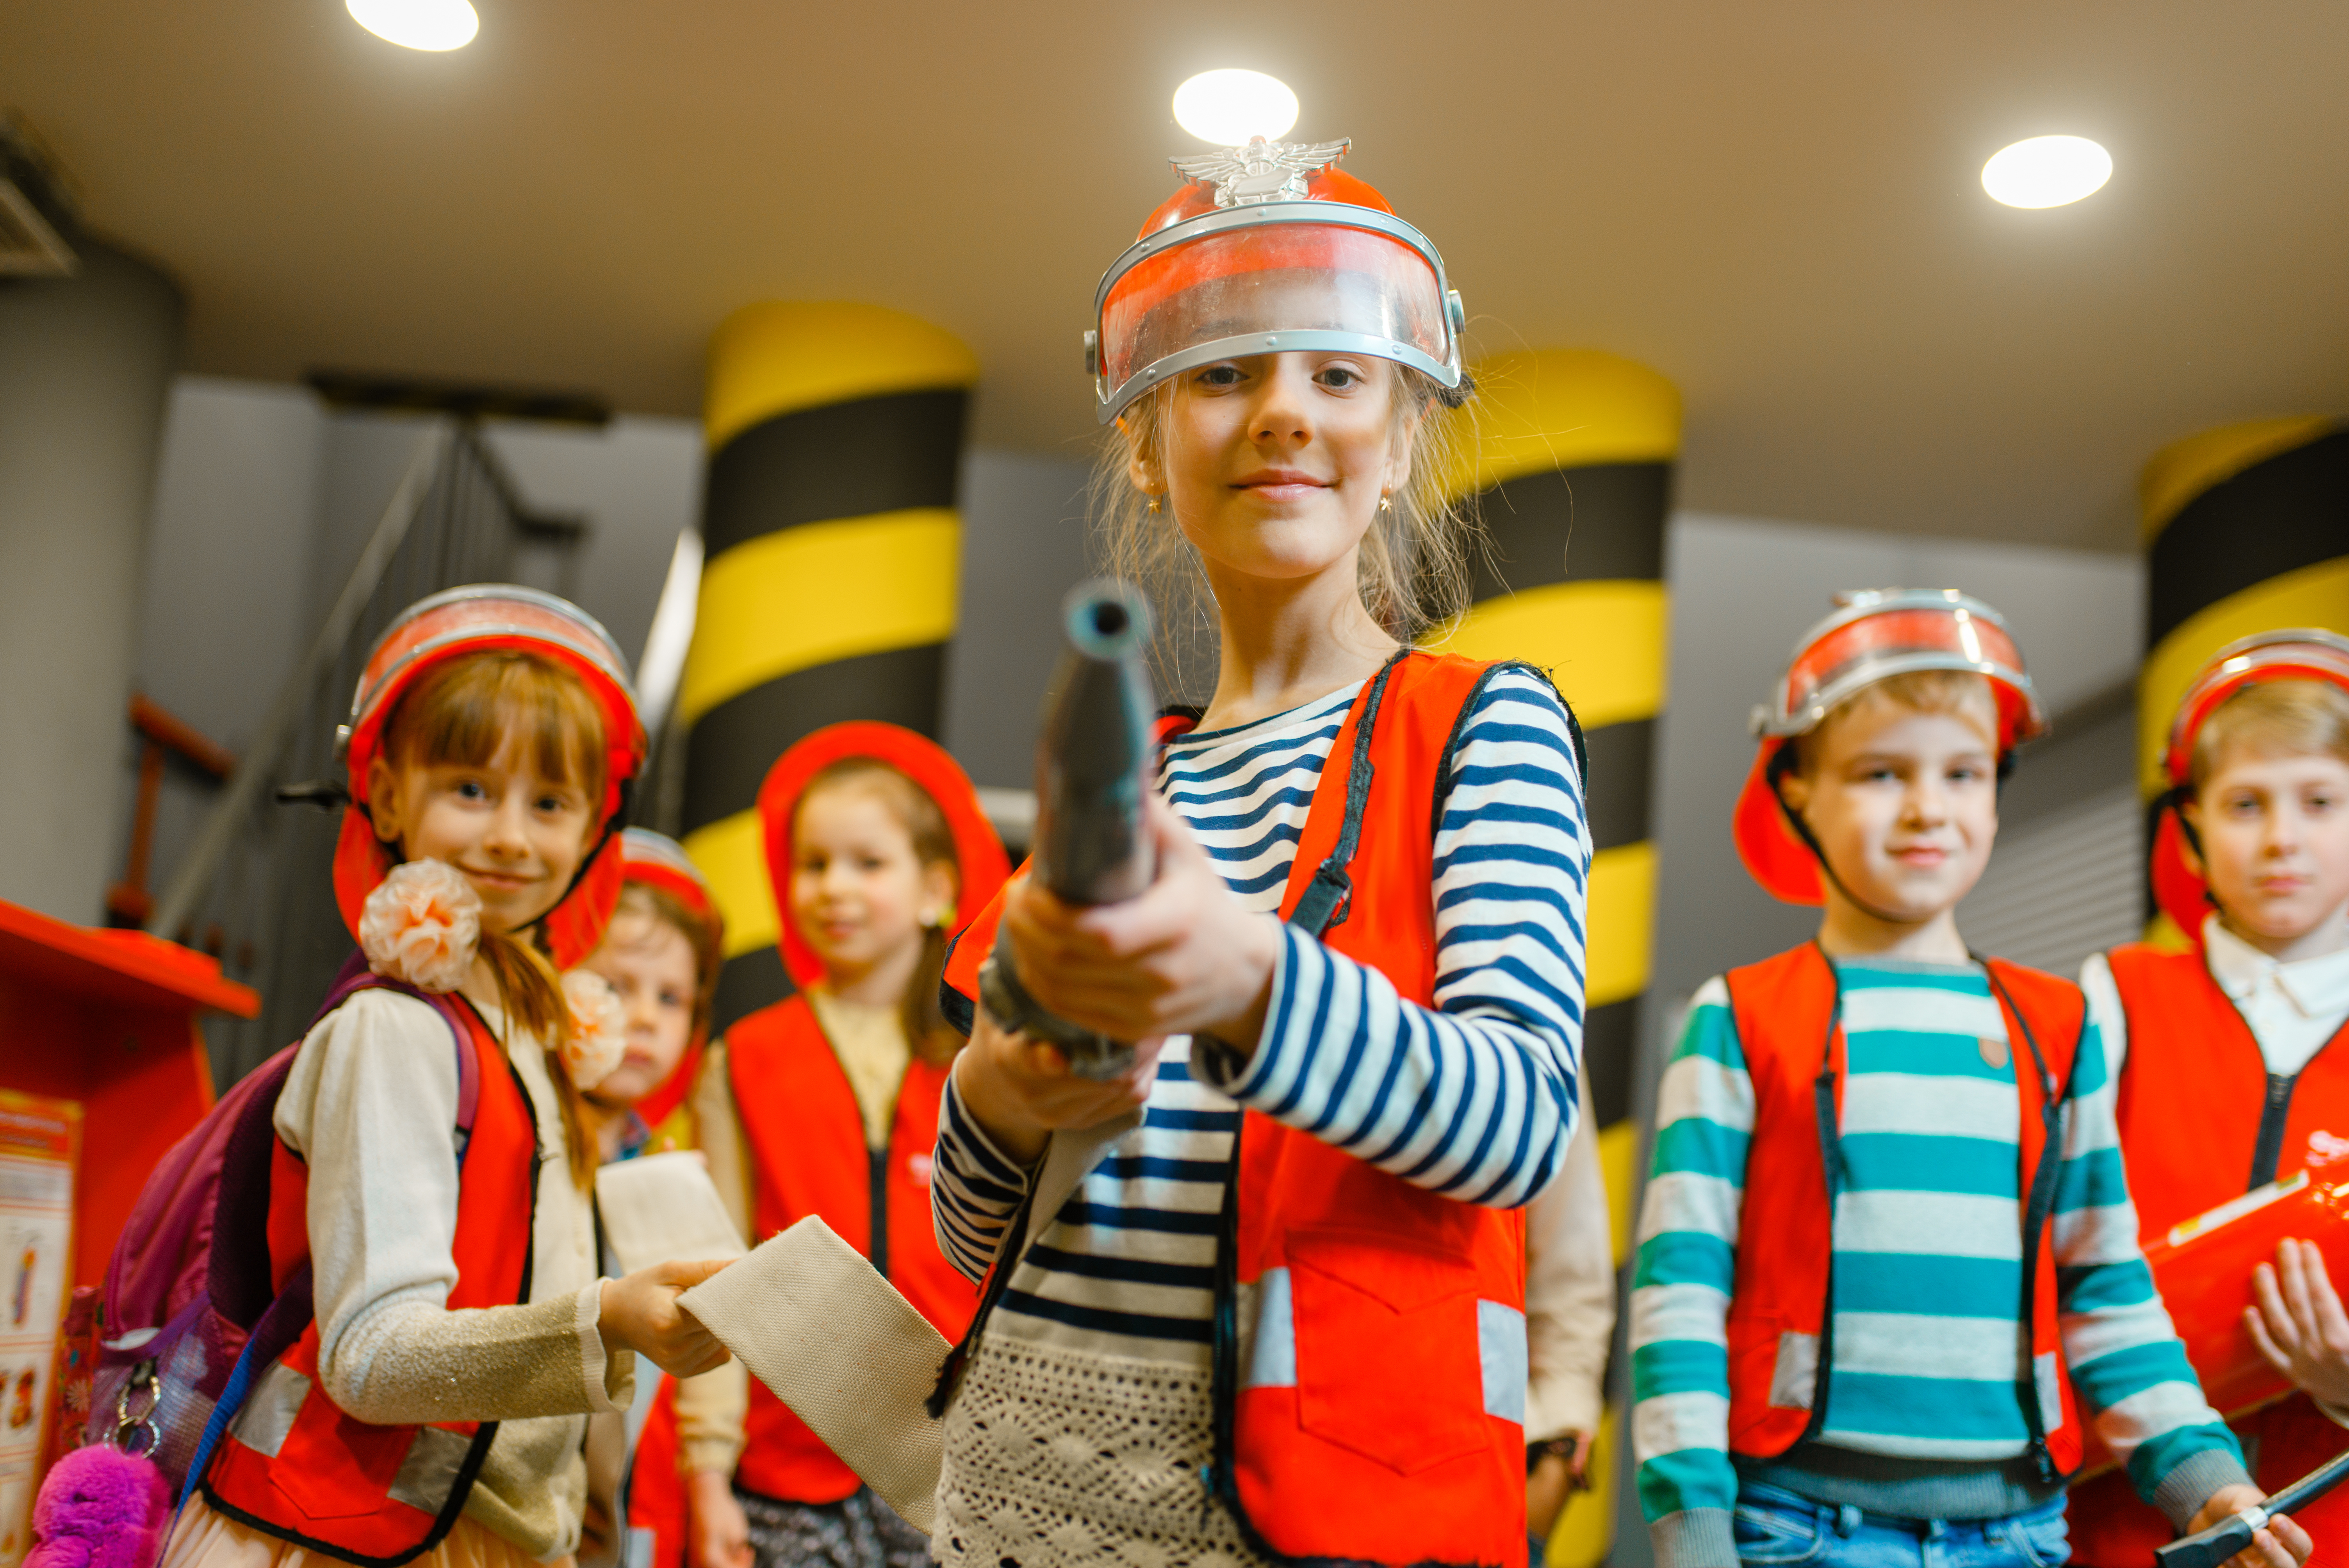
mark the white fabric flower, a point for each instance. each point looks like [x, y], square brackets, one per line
[422, 924]
[599, 1028]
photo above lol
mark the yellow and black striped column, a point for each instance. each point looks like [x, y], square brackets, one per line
[2246, 530]
[1573, 467]
[831, 543]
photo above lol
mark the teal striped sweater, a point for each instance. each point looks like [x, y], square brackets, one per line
[1922, 1418]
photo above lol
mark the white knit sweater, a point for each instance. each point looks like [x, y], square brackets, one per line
[371, 1106]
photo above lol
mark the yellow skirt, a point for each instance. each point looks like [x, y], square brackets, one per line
[203, 1539]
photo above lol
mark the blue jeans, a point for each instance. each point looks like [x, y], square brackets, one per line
[1777, 1529]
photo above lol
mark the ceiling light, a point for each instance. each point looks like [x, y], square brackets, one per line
[1227, 107]
[2048, 171]
[418, 23]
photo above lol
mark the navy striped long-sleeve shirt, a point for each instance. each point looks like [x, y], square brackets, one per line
[1474, 1097]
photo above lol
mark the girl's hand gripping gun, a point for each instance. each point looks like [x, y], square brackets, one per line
[1092, 775]
[2203, 1270]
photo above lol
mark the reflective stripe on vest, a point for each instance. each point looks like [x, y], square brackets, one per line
[2192, 1095]
[807, 1156]
[296, 1467]
[1779, 1330]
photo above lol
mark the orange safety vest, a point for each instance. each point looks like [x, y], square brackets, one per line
[2196, 1103]
[291, 1464]
[1369, 1351]
[1781, 1335]
[809, 1156]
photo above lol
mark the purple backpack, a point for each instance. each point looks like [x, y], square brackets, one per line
[191, 1314]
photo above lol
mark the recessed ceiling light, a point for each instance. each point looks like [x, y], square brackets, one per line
[418, 23]
[2048, 171]
[1227, 107]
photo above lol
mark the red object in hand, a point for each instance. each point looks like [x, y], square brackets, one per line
[2203, 1270]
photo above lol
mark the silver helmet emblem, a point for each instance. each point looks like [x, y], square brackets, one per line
[1262, 171]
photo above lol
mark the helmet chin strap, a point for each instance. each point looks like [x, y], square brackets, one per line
[1781, 765]
[2173, 800]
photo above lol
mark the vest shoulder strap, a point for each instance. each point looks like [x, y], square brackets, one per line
[1485, 675]
[2140, 970]
[772, 1060]
[1782, 1005]
[1424, 686]
[2054, 1013]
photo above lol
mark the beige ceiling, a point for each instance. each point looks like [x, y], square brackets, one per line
[1775, 204]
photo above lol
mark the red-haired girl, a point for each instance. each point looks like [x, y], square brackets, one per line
[433, 1206]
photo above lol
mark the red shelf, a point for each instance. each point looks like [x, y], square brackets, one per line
[126, 967]
[109, 1018]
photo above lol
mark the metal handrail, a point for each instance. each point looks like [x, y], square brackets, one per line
[179, 899]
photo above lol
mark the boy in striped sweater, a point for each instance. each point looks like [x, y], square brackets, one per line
[1887, 1264]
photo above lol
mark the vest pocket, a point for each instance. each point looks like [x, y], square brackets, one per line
[1388, 1360]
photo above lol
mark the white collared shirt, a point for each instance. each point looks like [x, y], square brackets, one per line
[2292, 1008]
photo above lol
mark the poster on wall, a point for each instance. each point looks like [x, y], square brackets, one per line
[40, 1146]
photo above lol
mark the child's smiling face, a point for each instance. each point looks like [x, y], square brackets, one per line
[1276, 463]
[858, 888]
[1903, 803]
[517, 835]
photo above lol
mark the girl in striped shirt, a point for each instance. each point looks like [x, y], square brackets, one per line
[1262, 1298]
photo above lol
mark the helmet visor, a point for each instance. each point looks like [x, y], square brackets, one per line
[1267, 286]
[1886, 634]
[2305, 653]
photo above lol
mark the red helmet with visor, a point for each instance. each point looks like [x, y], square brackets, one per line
[1270, 248]
[2300, 654]
[1873, 634]
[480, 618]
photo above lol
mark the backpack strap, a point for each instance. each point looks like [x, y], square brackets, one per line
[355, 977]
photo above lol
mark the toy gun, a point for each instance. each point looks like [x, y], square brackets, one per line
[1092, 775]
[2203, 1269]
[2213, 1546]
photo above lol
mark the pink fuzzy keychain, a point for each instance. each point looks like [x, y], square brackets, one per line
[100, 1508]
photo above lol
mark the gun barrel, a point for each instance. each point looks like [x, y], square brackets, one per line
[1092, 775]
[1093, 761]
